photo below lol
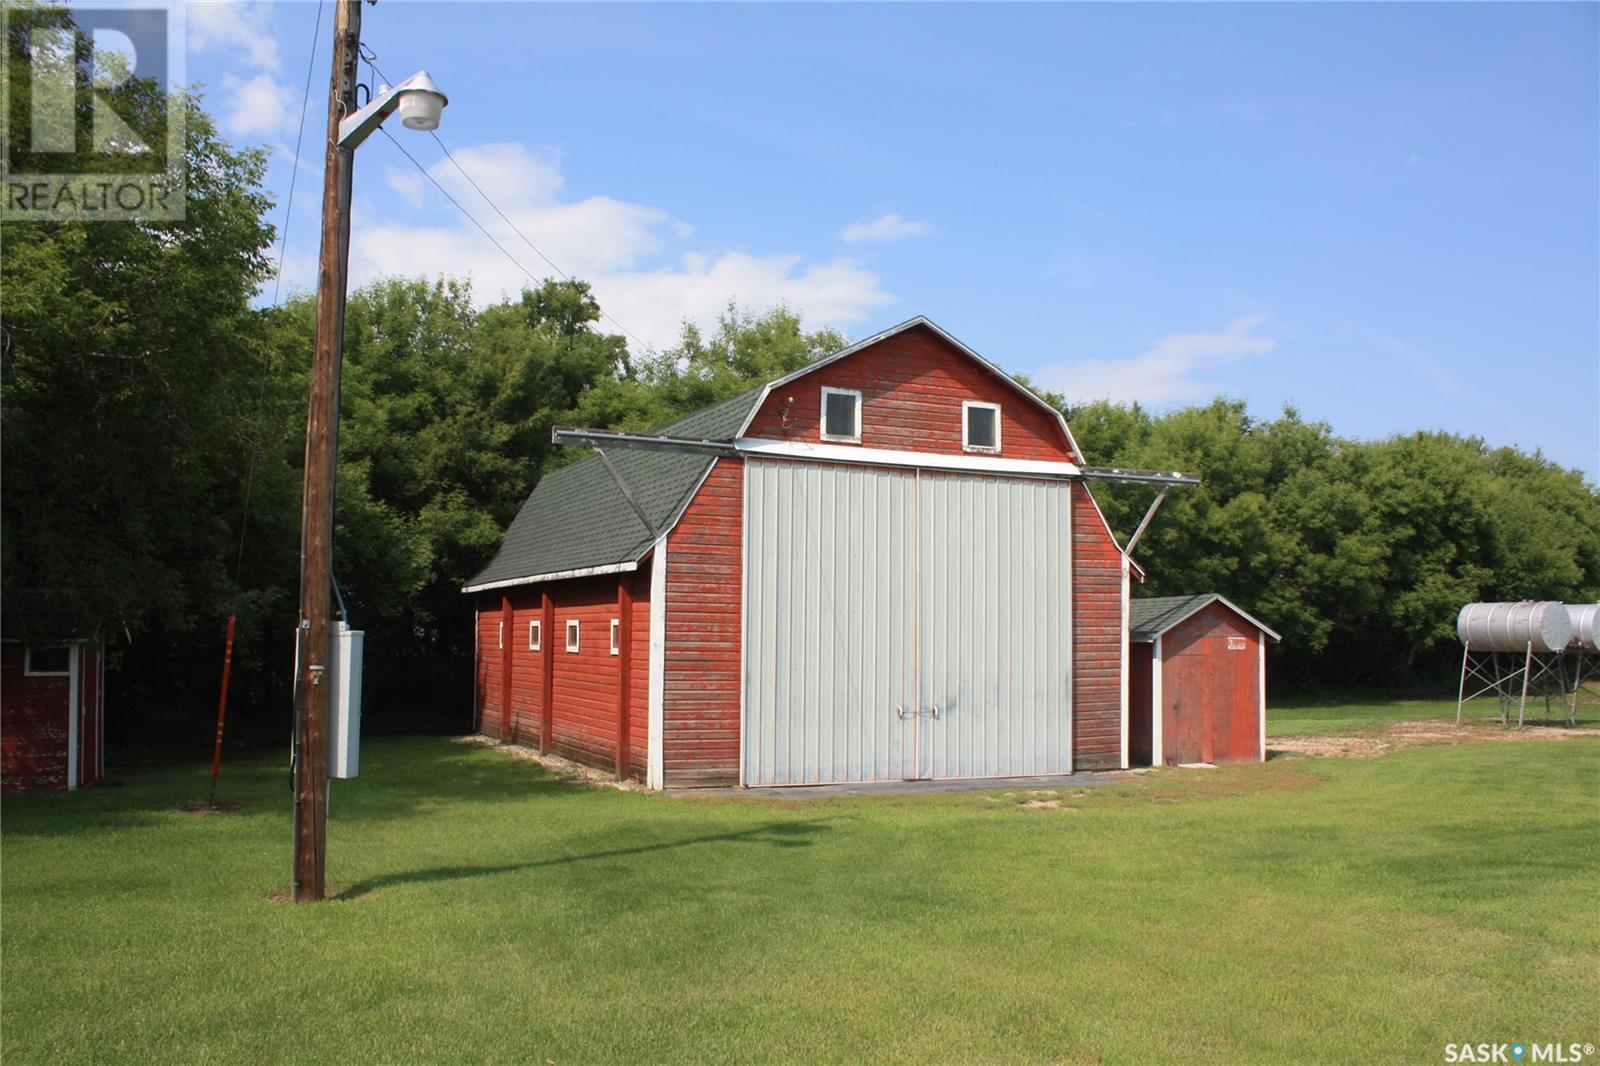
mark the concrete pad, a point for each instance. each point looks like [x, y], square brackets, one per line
[1086, 779]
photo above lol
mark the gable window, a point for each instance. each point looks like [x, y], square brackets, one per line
[47, 662]
[572, 634]
[980, 426]
[616, 636]
[535, 634]
[841, 415]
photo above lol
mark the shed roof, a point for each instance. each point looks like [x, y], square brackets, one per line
[1150, 617]
[577, 521]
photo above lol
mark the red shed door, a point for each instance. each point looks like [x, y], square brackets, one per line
[1209, 680]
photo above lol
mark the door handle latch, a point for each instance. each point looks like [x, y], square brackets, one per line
[929, 712]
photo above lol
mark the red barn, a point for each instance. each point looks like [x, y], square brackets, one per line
[1199, 681]
[886, 565]
[52, 695]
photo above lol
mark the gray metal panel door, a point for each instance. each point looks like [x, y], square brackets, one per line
[995, 598]
[903, 625]
[830, 604]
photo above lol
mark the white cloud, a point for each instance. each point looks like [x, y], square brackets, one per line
[408, 183]
[890, 227]
[245, 28]
[1168, 371]
[631, 253]
[261, 104]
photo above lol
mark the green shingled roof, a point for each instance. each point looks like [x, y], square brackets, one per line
[1150, 617]
[577, 518]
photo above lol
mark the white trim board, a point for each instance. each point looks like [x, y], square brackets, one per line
[1157, 711]
[555, 575]
[764, 448]
[1125, 661]
[1261, 682]
[74, 691]
[655, 776]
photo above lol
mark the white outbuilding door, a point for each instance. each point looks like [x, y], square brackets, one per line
[904, 624]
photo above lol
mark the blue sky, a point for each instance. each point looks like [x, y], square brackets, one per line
[1385, 215]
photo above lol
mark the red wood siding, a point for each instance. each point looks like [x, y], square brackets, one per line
[700, 742]
[639, 678]
[487, 711]
[585, 695]
[583, 687]
[1141, 738]
[912, 385]
[1096, 639]
[35, 722]
[1211, 692]
[527, 668]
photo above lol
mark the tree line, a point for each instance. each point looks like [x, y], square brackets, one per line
[153, 434]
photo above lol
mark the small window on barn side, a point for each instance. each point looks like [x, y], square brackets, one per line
[500, 639]
[572, 634]
[616, 636]
[47, 662]
[535, 633]
[841, 415]
[980, 426]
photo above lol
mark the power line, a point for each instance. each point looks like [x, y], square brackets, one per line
[370, 59]
[277, 289]
[515, 229]
[299, 137]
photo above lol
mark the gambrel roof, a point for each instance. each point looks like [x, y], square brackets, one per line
[577, 521]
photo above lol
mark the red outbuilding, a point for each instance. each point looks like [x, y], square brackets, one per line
[1198, 688]
[886, 565]
[52, 695]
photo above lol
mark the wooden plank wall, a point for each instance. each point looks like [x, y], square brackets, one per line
[700, 742]
[33, 726]
[585, 686]
[1211, 692]
[1096, 639]
[1141, 724]
[912, 386]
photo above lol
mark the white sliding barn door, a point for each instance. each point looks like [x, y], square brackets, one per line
[903, 625]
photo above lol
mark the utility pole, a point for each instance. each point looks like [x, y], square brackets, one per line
[313, 684]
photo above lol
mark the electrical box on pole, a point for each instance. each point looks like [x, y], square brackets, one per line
[344, 730]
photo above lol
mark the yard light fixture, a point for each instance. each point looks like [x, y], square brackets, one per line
[418, 99]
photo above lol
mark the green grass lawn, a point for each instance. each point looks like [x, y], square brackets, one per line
[1339, 910]
[1320, 714]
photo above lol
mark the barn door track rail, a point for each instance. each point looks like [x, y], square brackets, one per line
[600, 439]
[658, 442]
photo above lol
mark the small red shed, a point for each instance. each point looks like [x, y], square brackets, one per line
[52, 695]
[1197, 684]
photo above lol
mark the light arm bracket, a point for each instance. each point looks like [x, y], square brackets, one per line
[418, 99]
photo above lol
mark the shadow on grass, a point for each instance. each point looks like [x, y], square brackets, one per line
[775, 834]
[401, 778]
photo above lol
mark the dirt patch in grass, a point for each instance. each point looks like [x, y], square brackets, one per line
[197, 807]
[573, 772]
[1394, 736]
